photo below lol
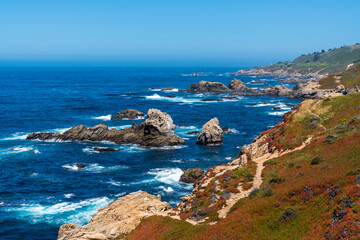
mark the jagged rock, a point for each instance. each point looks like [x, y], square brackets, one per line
[156, 131]
[276, 91]
[257, 148]
[170, 96]
[120, 216]
[191, 174]
[102, 150]
[211, 100]
[227, 130]
[204, 86]
[240, 88]
[127, 114]
[257, 82]
[167, 89]
[211, 133]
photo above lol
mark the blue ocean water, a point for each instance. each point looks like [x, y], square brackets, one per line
[40, 188]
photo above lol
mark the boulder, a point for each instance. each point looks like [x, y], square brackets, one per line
[277, 91]
[120, 216]
[156, 131]
[103, 149]
[240, 87]
[191, 174]
[204, 86]
[127, 114]
[211, 133]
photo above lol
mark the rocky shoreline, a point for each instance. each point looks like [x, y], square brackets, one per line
[156, 131]
[308, 90]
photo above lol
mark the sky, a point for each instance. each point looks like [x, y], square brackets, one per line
[171, 32]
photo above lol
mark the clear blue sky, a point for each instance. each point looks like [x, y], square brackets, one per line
[172, 33]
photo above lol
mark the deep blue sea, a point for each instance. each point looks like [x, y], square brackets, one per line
[40, 188]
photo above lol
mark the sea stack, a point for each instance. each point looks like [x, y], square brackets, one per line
[211, 133]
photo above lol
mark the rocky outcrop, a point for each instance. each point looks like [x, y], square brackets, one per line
[190, 175]
[204, 86]
[257, 148]
[312, 90]
[276, 91]
[120, 216]
[211, 133]
[156, 131]
[127, 114]
[239, 87]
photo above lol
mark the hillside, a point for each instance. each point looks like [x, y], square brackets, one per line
[313, 65]
[350, 78]
[297, 180]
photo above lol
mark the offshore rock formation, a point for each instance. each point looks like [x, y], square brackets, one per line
[190, 175]
[127, 114]
[204, 86]
[211, 133]
[156, 131]
[120, 216]
[239, 87]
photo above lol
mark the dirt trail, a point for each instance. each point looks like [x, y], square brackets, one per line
[257, 178]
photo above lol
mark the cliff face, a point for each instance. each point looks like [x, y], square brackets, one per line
[119, 217]
[297, 180]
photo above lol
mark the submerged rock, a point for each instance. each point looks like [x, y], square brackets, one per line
[80, 166]
[120, 216]
[102, 150]
[156, 131]
[190, 175]
[127, 114]
[211, 133]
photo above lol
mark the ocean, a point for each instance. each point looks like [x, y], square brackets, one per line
[40, 186]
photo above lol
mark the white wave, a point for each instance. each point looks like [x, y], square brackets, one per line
[166, 175]
[185, 127]
[228, 158]
[59, 130]
[172, 90]
[69, 195]
[137, 118]
[34, 174]
[199, 95]
[233, 130]
[37, 151]
[120, 194]
[115, 183]
[59, 213]
[155, 89]
[121, 127]
[175, 99]
[169, 147]
[260, 105]
[20, 149]
[167, 190]
[94, 168]
[280, 113]
[104, 118]
[16, 136]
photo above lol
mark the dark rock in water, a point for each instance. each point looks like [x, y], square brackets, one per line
[156, 131]
[80, 165]
[211, 133]
[102, 150]
[167, 89]
[170, 96]
[293, 106]
[211, 100]
[265, 102]
[127, 114]
[193, 133]
[227, 130]
[190, 175]
[276, 108]
[230, 97]
[204, 86]
[257, 82]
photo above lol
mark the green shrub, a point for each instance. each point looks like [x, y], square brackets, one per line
[268, 192]
[316, 160]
